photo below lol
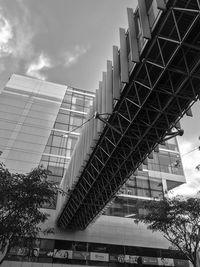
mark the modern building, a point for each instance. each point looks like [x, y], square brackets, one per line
[40, 124]
[152, 82]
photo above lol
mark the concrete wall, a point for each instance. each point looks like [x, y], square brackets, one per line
[113, 230]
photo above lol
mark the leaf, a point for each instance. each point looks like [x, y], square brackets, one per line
[178, 218]
[21, 196]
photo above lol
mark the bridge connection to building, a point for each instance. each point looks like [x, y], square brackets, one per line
[153, 80]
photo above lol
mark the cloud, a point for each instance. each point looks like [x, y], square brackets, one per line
[16, 34]
[6, 34]
[190, 158]
[35, 68]
[24, 33]
[71, 57]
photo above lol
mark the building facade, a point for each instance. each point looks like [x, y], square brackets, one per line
[40, 124]
[162, 173]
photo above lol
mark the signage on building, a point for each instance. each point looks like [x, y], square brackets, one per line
[45, 253]
[19, 251]
[150, 260]
[121, 258]
[165, 262]
[131, 259]
[124, 258]
[35, 252]
[95, 256]
[181, 263]
[80, 255]
[113, 257]
[62, 254]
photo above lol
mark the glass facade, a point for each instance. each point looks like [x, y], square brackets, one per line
[149, 181]
[65, 131]
[28, 111]
[95, 254]
[40, 123]
[39, 126]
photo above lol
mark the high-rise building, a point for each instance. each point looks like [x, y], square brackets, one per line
[40, 124]
[151, 84]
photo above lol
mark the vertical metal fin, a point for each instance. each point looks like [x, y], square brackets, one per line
[134, 49]
[116, 74]
[123, 57]
[104, 93]
[146, 32]
[109, 88]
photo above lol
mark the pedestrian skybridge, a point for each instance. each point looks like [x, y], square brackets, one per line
[152, 82]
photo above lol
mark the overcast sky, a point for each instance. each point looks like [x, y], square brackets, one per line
[68, 42]
[63, 41]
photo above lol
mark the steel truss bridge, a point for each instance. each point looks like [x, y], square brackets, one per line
[161, 89]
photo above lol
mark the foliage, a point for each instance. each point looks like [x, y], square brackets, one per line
[21, 196]
[178, 219]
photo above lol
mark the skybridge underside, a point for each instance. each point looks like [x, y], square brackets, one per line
[162, 87]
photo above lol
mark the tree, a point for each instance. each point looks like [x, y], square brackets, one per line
[21, 196]
[178, 219]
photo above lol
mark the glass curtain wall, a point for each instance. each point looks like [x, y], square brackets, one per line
[148, 182]
[65, 133]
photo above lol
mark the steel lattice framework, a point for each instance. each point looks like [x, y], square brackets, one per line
[162, 87]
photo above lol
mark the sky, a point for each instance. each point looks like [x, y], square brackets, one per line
[68, 42]
[63, 41]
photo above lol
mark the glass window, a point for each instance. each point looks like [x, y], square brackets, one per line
[155, 185]
[66, 112]
[172, 147]
[97, 247]
[130, 191]
[79, 246]
[62, 126]
[47, 244]
[117, 249]
[164, 160]
[142, 183]
[129, 250]
[62, 118]
[155, 167]
[76, 120]
[156, 194]
[56, 141]
[55, 150]
[63, 244]
[165, 169]
[143, 192]
[66, 105]
[130, 208]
